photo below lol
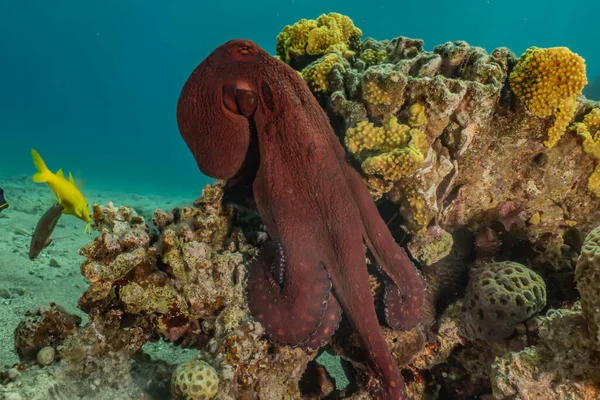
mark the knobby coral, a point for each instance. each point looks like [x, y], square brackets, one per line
[548, 81]
[328, 33]
[500, 295]
[315, 74]
[392, 151]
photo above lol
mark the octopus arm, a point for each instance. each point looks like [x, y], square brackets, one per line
[404, 296]
[304, 315]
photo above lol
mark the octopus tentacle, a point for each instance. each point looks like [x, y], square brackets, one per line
[290, 315]
[404, 297]
[329, 324]
[352, 290]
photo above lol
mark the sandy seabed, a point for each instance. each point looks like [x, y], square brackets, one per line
[55, 275]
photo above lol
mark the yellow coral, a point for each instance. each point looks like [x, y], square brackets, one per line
[378, 187]
[373, 57]
[589, 129]
[395, 164]
[393, 150]
[548, 81]
[326, 34]
[417, 115]
[420, 213]
[375, 95]
[384, 138]
[315, 74]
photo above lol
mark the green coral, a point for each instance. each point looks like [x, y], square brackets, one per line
[328, 33]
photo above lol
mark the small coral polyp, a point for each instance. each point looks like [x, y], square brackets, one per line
[549, 81]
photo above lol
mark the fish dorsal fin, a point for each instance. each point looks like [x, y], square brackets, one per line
[79, 183]
[71, 178]
[60, 173]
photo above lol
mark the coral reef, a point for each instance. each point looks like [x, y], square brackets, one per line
[185, 286]
[453, 137]
[485, 167]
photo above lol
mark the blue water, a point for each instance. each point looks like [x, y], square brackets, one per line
[93, 85]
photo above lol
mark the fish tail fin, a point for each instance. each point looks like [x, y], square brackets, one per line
[43, 174]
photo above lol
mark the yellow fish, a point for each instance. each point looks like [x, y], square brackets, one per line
[67, 193]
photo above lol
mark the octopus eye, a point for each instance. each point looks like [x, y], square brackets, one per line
[239, 101]
[229, 99]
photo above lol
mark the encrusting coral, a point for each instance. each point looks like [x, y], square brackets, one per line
[48, 326]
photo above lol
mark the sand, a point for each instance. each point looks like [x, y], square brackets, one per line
[55, 275]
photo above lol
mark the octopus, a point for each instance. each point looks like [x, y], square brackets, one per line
[244, 113]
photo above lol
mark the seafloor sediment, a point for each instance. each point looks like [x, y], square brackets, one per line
[483, 164]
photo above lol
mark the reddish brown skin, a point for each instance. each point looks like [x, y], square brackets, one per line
[315, 207]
